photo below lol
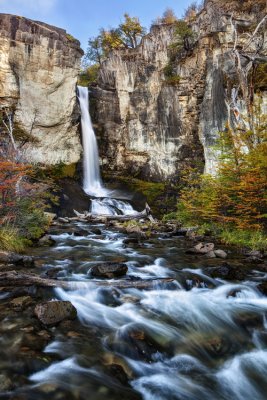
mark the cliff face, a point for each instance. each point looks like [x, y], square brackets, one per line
[152, 129]
[39, 65]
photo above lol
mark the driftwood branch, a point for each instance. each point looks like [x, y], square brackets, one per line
[18, 279]
[86, 216]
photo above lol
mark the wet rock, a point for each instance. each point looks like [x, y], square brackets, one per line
[80, 232]
[52, 312]
[53, 272]
[254, 253]
[5, 383]
[21, 303]
[220, 253]
[46, 240]
[109, 270]
[263, 288]
[34, 342]
[127, 298]
[228, 272]
[217, 346]
[249, 320]
[17, 259]
[254, 260]
[131, 240]
[96, 231]
[118, 373]
[210, 254]
[44, 334]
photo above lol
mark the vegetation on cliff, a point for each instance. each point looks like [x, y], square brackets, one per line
[233, 203]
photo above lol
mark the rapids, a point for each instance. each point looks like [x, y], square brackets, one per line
[177, 341]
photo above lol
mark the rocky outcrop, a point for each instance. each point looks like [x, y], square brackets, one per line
[146, 126]
[153, 129]
[39, 65]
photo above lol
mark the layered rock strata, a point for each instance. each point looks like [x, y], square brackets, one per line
[39, 66]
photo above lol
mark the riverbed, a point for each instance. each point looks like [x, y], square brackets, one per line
[198, 337]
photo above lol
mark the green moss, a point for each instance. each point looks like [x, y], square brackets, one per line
[58, 171]
[151, 190]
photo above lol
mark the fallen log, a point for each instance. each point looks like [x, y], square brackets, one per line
[19, 279]
[86, 216]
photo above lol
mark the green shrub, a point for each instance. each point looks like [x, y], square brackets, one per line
[171, 78]
[70, 38]
[30, 221]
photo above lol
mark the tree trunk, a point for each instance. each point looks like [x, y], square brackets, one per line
[20, 279]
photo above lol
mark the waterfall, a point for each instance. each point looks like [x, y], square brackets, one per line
[92, 183]
[91, 172]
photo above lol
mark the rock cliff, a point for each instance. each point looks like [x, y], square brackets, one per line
[151, 128]
[39, 65]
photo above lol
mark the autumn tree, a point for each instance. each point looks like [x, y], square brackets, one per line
[127, 35]
[236, 198]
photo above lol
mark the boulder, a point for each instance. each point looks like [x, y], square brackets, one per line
[220, 253]
[201, 248]
[228, 272]
[46, 240]
[109, 270]
[210, 254]
[204, 248]
[17, 259]
[52, 312]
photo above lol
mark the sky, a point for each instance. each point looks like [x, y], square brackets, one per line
[83, 18]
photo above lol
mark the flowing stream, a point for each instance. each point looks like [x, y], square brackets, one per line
[195, 338]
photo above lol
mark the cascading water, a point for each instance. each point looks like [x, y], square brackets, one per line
[195, 338]
[91, 180]
[92, 183]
